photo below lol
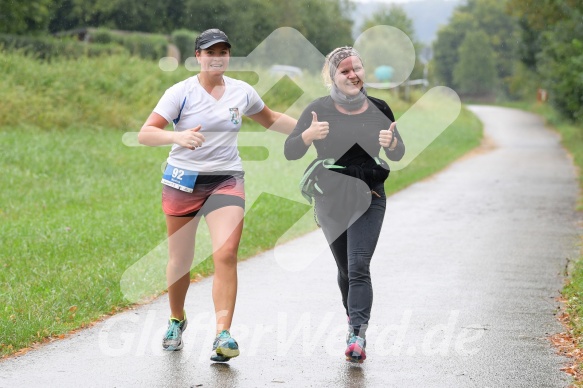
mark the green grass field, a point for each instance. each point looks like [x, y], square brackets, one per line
[80, 211]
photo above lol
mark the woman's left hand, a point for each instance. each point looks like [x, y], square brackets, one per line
[387, 137]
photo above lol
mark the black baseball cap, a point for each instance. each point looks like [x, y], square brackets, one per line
[210, 37]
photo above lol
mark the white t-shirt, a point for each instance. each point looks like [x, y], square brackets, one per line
[186, 104]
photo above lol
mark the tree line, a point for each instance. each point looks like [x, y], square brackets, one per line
[495, 48]
[551, 47]
[325, 23]
[510, 48]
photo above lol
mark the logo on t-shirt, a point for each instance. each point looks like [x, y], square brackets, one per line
[235, 116]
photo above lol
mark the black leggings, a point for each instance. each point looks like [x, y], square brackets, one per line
[353, 248]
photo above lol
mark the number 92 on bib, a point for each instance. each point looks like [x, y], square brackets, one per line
[179, 178]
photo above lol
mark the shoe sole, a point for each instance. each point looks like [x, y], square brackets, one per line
[219, 358]
[227, 352]
[355, 354]
[172, 348]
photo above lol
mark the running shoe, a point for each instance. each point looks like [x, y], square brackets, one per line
[224, 348]
[173, 338]
[355, 350]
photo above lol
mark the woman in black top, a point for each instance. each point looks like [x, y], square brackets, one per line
[351, 128]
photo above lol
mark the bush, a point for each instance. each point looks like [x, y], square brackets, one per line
[102, 35]
[184, 40]
[148, 46]
[103, 42]
[47, 48]
[561, 64]
[524, 83]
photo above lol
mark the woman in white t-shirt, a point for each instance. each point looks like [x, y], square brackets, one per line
[204, 177]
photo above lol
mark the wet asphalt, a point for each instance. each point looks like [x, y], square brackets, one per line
[465, 277]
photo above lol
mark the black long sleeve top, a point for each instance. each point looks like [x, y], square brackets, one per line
[352, 140]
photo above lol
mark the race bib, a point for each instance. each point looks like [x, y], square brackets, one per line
[179, 178]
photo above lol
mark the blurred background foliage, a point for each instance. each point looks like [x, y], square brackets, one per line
[520, 48]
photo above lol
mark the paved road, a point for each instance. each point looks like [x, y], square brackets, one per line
[465, 277]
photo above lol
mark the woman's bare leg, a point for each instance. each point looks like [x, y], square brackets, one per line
[225, 226]
[181, 237]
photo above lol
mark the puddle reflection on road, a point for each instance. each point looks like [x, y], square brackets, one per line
[224, 375]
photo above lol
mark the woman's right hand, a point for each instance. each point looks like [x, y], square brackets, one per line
[189, 138]
[318, 130]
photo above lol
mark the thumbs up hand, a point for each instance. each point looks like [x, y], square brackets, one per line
[318, 130]
[387, 137]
